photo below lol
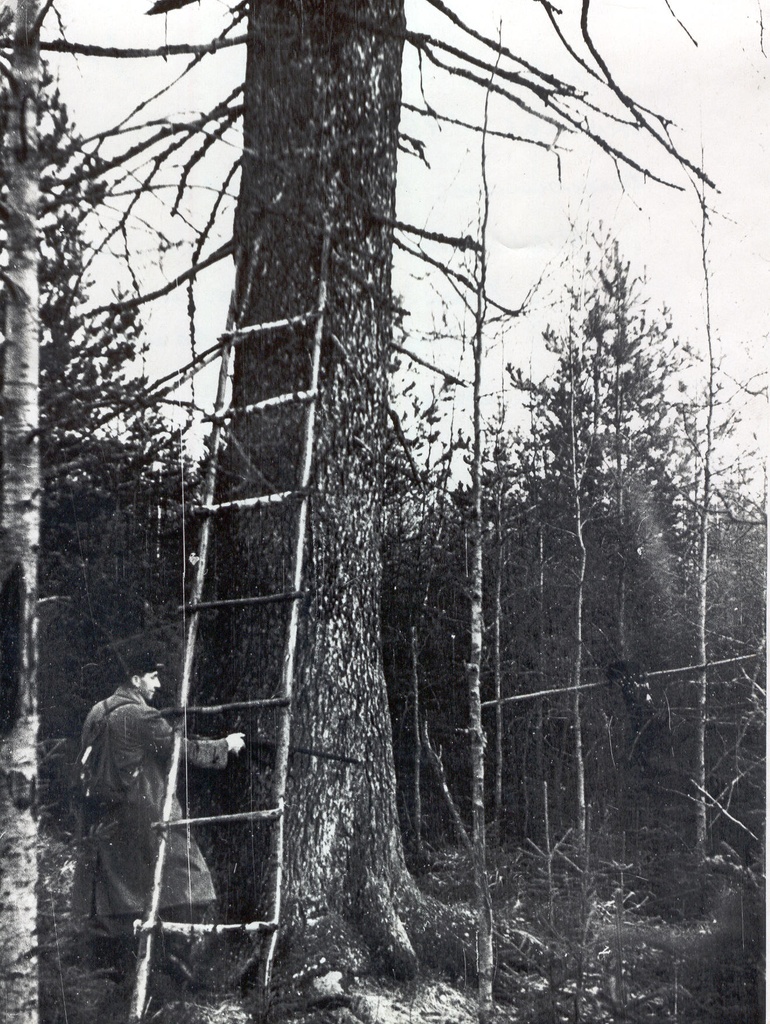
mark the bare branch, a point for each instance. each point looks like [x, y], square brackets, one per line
[426, 45]
[462, 243]
[445, 119]
[123, 192]
[203, 237]
[551, 13]
[131, 53]
[208, 141]
[681, 24]
[605, 682]
[224, 110]
[405, 446]
[579, 125]
[415, 147]
[455, 276]
[761, 29]
[237, 16]
[727, 511]
[430, 366]
[698, 668]
[498, 48]
[633, 108]
[438, 767]
[715, 803]
[39, 21]
[140, 300]
[543, 693]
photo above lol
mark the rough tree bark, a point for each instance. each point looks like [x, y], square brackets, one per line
[321, 129]
[20, 536]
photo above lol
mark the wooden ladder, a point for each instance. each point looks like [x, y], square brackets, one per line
[151, 926]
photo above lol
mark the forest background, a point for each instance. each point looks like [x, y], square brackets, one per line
[612, 385]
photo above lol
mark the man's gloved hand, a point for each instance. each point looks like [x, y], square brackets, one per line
[235, 742]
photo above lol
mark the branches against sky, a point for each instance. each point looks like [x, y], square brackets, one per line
[577, 98]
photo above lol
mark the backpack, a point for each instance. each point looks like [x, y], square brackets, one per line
[99, 785]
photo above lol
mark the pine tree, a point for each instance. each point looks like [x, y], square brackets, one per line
[604, 438]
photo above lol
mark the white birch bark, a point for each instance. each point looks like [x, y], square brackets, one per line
[483, 900]
[21, 532]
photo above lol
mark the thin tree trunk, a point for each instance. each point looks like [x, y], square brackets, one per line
[476, 574]
[701, 819]
[497, 665]
[435, 761]
[417, 739]
[483, 901]
[21, 534]
[577, 671]
[621, 493]
[577, 659]
[539, 703]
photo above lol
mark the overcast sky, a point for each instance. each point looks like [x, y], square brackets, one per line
[717, 97]
[715, 92]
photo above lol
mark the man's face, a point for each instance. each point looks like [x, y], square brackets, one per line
[147, 684]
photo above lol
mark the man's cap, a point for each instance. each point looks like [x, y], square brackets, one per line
[139, 659]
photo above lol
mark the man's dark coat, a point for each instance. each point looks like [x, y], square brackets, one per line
[114, 876]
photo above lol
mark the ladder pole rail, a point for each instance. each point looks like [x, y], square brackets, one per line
[144, 962]
[209, 491]
[304, 482]
[283, 731]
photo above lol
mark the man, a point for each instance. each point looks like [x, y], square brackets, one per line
[113, 879]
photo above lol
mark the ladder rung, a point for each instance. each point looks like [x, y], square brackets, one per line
[298, 397]
[188, 928]
[236, 602]
[216, 709]
[274, 325]
[264, 499]
[271, 815]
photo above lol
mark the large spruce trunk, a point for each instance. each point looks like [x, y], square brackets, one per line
[321, 127]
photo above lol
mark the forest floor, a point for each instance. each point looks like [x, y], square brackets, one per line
[570, 946]
[364, 1002]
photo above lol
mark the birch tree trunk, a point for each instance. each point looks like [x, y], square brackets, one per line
[476, 572]
[20, 537]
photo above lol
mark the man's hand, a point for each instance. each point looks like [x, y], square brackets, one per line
[235, 742]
